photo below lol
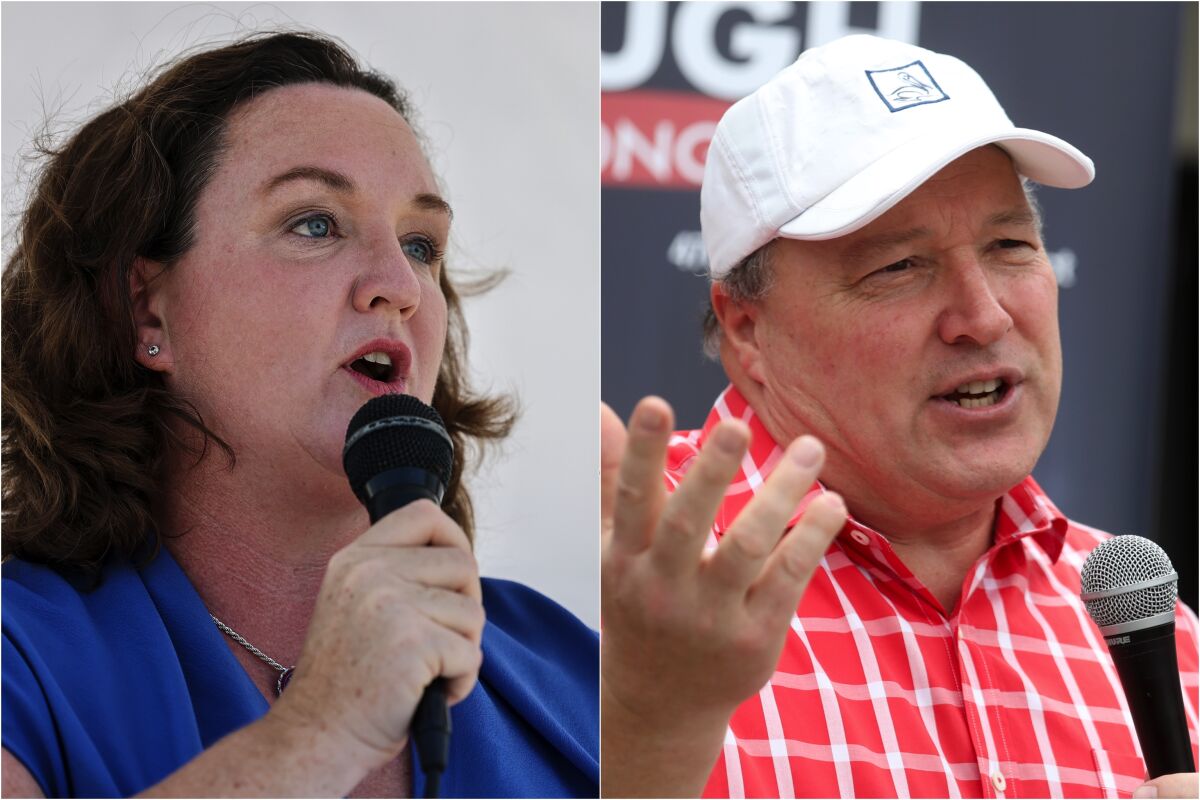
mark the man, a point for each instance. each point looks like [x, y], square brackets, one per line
[882, 301]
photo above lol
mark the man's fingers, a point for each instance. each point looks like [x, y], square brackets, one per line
[753, 535]
[1179, 784]
[688, 515]
[639, 494]
[612, 448]
[777, 591]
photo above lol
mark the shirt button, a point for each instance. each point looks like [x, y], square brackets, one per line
[998, 781]
[860, 537]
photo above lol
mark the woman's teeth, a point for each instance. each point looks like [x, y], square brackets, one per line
[377, 366]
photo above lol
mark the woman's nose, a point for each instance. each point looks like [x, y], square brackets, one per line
[387, 281]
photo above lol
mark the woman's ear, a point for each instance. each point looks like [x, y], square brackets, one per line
[146, 290]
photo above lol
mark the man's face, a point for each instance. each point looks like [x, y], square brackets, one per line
[865, 341]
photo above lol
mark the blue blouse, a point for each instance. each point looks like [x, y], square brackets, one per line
[108, 691]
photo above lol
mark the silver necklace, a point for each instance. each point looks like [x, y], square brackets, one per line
[285, 673]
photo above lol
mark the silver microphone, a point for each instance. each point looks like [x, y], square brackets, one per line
[1130, 589]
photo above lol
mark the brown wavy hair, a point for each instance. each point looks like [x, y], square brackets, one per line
[86, 429]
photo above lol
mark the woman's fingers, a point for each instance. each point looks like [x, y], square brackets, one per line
[450, 610]
[639, 493]
[688, 514]
[414, 525]
[752, 537]
[459, 666]
[398, 608]
[443, 567]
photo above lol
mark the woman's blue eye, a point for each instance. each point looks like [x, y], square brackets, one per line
[421, 250]
[318, 227]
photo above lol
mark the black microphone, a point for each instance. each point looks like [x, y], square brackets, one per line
[397, 451]
[1130, 588]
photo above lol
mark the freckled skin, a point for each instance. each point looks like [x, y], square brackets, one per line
[852, 353]
[258, 319]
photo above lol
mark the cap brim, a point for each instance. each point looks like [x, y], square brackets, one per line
[868, 195]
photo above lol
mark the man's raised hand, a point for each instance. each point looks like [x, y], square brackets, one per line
[690, 634]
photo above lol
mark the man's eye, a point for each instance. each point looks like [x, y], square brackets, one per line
[1010, 244]
[899, 266]
[318, 226]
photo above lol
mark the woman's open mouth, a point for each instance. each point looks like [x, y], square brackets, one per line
[377, 366]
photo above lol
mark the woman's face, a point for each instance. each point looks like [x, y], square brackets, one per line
[319, 240]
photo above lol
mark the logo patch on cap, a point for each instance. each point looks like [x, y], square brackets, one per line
[904, 87]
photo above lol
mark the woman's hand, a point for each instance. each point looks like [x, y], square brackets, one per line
[398, 608]
[689, 634]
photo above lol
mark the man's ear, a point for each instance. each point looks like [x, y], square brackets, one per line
[740, 331]
[146, 290]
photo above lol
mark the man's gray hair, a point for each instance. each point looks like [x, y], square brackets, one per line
[752, 277]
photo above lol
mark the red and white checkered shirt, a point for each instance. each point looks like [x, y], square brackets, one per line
[879, 694]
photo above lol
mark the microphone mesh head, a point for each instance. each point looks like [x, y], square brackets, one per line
[391, 431]
[1125, 561]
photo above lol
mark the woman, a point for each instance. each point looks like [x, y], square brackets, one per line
[210, 279]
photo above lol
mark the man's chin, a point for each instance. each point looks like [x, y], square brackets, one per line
[987, 464]
[980, 481]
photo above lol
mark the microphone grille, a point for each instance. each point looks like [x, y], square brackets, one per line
[391, 431]
[1134, 579]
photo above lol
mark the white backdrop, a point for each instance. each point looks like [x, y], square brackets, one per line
[508, 96]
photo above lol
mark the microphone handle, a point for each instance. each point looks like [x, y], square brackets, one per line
[431, 734]
[396, 488]
[386, 492]
[1149, 671]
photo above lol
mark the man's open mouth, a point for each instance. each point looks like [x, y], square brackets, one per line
[376, 366]
[978, 394]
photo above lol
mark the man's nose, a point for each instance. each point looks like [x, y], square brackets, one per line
[974, 311]
[387, 281]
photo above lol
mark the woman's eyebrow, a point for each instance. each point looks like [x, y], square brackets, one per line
[433, 202]
[334, 180]
[342, 184]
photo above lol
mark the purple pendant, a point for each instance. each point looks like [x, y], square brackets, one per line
[284, 678]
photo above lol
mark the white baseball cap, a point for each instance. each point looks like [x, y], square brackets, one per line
[847, 131]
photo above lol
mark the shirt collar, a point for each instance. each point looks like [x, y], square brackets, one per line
[1023, 511]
